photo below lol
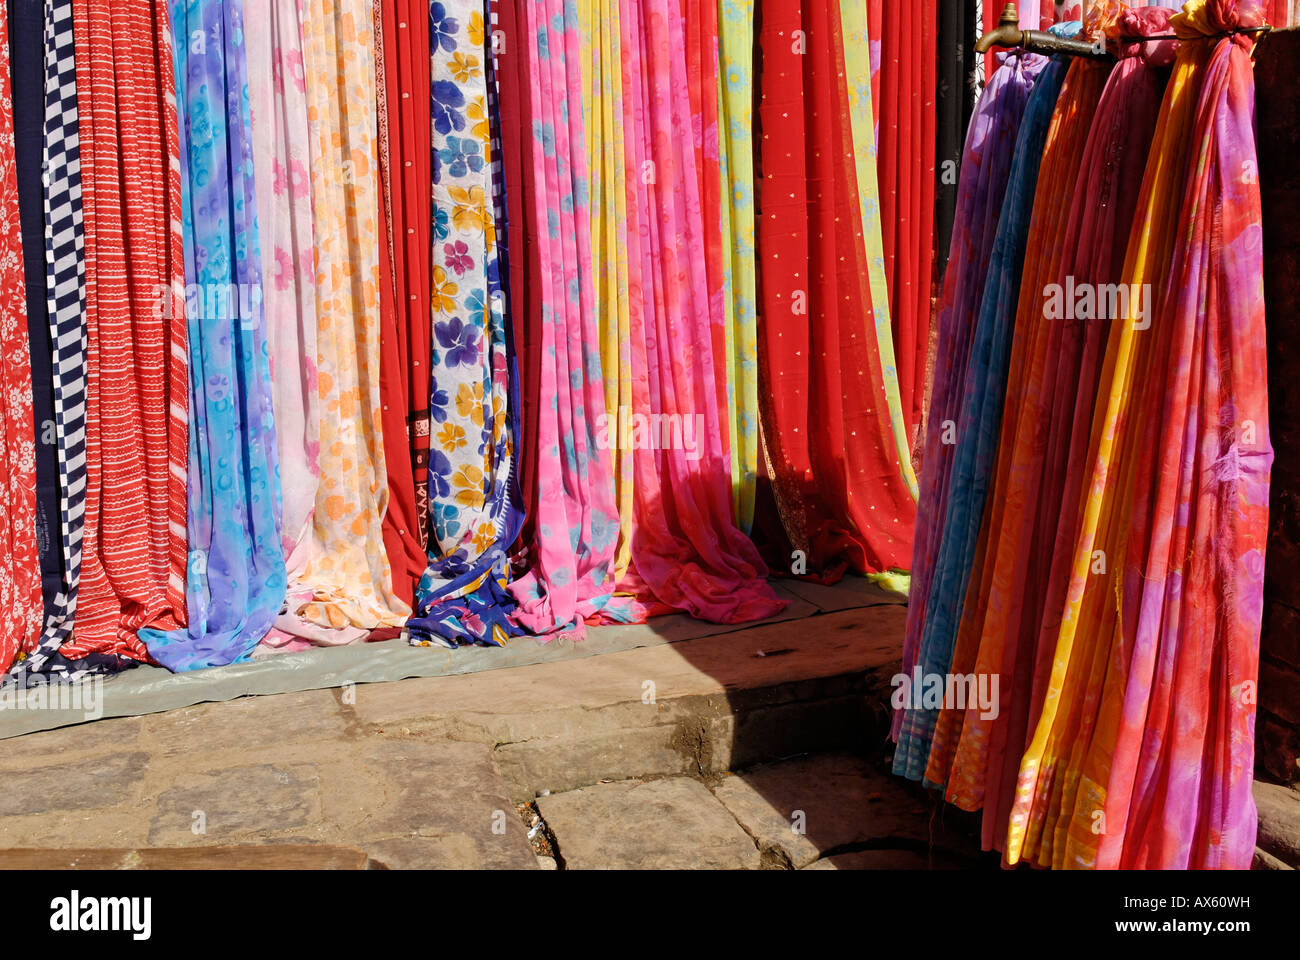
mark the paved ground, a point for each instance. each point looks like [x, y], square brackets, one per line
[758, 749]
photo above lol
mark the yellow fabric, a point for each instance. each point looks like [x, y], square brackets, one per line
[603, 87]
[857, 72]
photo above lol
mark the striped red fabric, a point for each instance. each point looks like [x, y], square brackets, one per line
[133, 567]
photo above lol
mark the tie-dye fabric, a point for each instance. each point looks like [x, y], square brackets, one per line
[602, 47]
[235, 582]
[472, 482]
[686, 553]
[575, 529]
[990, 747]
[979, 420]
[986, 165]
[346, 589]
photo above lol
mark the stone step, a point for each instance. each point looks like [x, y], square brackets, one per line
[697, 707]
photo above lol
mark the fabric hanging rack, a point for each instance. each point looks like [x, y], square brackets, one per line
[1009, 34]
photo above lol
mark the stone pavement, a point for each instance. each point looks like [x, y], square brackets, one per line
[626, 756]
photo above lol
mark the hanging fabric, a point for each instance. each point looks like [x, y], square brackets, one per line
[907, 189]
[686, 553]
[600, 22]
[1099, 224]
[1181, 746]
[857, 68]
[985, 169]
[826, 420]
[347, 588]
[27, 63]
[978, 423]
[476, 511]
[235, 583]
[281, 142]
[521, 240]
[20, 568]
[403, 146]
[740, 286]
[1004, 579]
[134, 547]
[575, 531]
[63, 286]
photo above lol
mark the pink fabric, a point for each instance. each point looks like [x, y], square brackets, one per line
[281, 157]
[576, 524]
[686, 553]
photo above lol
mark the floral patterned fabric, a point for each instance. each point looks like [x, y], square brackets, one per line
[235, 584]
[277, 89]
[472, 483]
[20, 572]
[347, 588]
[574, 531]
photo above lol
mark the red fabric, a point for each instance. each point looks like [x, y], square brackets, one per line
[525, 267]
[137, 391]
[20, 572]
[405, 198]
[835, 477]
[908, 74]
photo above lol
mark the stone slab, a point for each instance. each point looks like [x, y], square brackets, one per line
[671, 824]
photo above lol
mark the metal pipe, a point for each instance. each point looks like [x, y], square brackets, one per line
[1009, 34]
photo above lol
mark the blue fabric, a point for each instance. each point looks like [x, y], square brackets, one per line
[235, 582]
[981, 417]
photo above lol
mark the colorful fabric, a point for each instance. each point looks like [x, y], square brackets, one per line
[27, 62]
[1004, 580]
[1183, 512]
[686, 552]
[986, 165]
[134, 548]
[476, 513]
[827, 424]
[235, 583]
[857, 72]
[20, 569]
[347, 588]
[979, 421]
[1096, 238]
[740, 283]
[572, 540]
[906, 138]
[401, 39]
[64, 289]
[277, 91]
